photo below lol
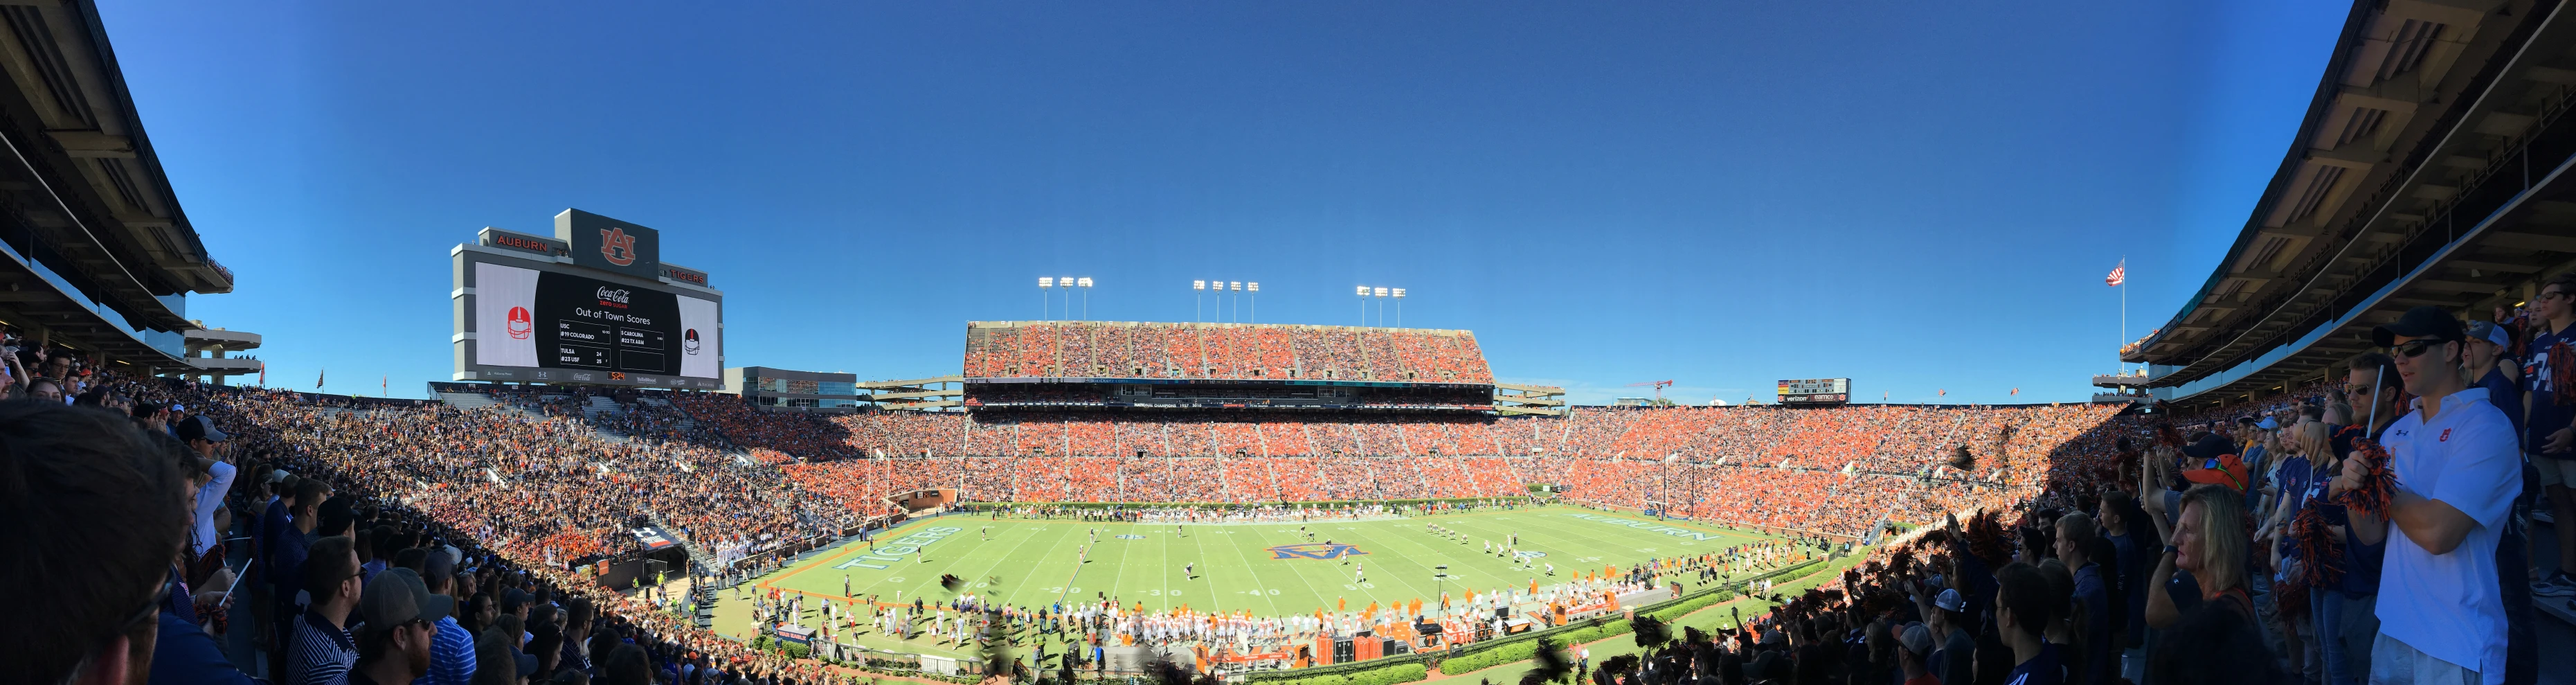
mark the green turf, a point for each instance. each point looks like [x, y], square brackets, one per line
[1035, 563]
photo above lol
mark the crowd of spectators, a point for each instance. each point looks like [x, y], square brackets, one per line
[350, 538]
[2365, 534]
[2052, 575]
[800, 434]
[1094, 349]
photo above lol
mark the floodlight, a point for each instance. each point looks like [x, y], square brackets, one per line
[1064, 282]
[1254, 286]
[1046, 282]
[1085, 282]
[1198, 285]
[1381, 292]
[1399, 293]
[1363, 291]
[1238, 286]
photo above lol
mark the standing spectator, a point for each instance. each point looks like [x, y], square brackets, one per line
[322, 651]
[286, 553]
[1955, 661]
[2022, 617]
[451, 652]
[1914, 647]
[2549, 418]
[2074, 544]
[95, 517]
[2457, 469]
[2487, 368]
[208, 442]
[394, 644]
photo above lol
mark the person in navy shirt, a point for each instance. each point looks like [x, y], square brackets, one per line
[2022, 617]
[2549, 442]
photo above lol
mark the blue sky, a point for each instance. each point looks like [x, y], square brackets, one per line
[1918, 196]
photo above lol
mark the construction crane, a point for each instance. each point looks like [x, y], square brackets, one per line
[1659, 389]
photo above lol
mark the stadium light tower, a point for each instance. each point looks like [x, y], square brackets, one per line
[1237, 288]
[1254, 287]
[1399, 307]
[1065, 283]
[1046, 300]
[1198, 301]
[1364, 300]
[1381, 306]
[1086, 297]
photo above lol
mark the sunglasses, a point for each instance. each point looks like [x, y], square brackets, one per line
[2415, 348]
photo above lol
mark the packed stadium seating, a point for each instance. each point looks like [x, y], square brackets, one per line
[1099, 349]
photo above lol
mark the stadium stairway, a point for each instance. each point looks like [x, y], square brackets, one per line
[706, 601]
[698, 556]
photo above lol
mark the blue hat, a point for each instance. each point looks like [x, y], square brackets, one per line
[2269, 424]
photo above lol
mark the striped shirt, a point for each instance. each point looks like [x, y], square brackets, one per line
[451, 655]
[319, 653]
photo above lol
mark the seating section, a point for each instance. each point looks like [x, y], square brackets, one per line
[1126, 349]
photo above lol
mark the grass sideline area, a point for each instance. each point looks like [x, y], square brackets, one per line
[1270, 569]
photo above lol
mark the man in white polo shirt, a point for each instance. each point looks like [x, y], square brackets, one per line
[2458, 467]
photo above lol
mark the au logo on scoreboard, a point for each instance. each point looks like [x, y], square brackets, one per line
[1316, 550]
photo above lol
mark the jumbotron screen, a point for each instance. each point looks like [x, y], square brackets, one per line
[1815, 391]
[534, 317]
[559, 320]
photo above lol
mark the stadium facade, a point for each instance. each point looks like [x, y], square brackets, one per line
[99, 257]
[2433, 167]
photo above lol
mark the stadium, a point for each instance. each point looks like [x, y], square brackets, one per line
[1118, 501]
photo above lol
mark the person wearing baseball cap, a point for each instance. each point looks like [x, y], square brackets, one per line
[2458, 464]
[2490, 366]
[2224, 469]
[401, 618]
[1916, 642]
[1955, 660]
[451, 653]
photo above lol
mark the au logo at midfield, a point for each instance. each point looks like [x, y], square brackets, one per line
[1316, 550]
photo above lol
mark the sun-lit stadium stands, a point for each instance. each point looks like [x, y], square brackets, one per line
[1130, 349]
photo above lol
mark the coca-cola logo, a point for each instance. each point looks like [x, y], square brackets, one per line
[520, 323]
[607, 294]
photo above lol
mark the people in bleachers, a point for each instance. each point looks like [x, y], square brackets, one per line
[1096, 349]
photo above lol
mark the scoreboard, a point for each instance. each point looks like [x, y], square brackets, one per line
[592, 305]
[1815, 391]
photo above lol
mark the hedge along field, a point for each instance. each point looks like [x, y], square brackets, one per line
[1271, 569]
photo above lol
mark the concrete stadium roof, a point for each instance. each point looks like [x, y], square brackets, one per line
[2426, 173]
[95, 241]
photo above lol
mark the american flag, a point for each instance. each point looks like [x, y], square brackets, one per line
[2119, 275]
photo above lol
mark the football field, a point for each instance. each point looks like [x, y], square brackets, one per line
[1270, 569]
